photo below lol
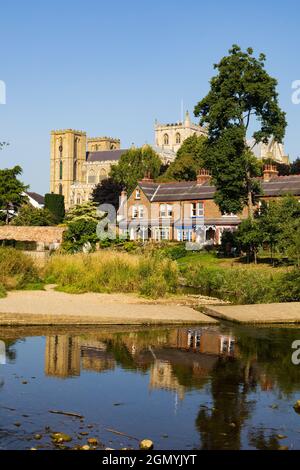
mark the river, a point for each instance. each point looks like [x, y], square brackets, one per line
[212, 387]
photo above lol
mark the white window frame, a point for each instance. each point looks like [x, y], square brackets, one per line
[197, 209]
[135, 212]
[166, 211]
[137, 194]
[141, 211]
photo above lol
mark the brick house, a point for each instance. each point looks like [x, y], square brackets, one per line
[186, 211]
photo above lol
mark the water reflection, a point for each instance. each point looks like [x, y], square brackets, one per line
[236, 374]
[177, 360]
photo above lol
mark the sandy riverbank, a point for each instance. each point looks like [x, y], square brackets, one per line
[57, 308]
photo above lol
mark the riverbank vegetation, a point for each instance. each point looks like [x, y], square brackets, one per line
[109, 271]
[153, 272]
[17, 270]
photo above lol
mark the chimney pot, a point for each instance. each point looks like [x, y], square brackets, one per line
[270, 171]
[203, 176]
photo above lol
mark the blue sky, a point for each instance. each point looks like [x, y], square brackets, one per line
[111, 68]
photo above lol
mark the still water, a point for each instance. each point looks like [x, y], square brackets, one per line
[187, 388]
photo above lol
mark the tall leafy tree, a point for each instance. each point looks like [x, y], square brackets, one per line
[11, 190]
[55, 203]
[107, 192]
[133, 165]
[188, 161]
[242, 96]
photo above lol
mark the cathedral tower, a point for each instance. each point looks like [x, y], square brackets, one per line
[68, 154]
[171, 136]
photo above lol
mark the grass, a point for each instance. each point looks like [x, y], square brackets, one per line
[17, 270]
[110, 271]
[152, 274]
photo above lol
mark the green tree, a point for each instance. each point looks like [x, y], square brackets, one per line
[32, 216]
[55, 203]
[269, 225]
[86, 211]
[81, 222]
[188, 161]
[250, 237]
[11, 190]
[242, 96]
[107, 192]
[289, 220]
[133, 165]
[295, 167]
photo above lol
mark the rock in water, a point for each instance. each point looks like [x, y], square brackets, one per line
[61, 437]
[92, 441]
[297, 406]
[146, 444]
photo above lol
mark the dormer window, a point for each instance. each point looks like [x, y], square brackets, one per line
[137, 194]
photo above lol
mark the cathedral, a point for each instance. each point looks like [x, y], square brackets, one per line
[78, 162]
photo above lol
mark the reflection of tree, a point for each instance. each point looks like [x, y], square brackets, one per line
[220, 427]
[121, 354]
[258, 440]
[273, 352]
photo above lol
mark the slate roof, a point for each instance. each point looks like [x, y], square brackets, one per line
[282, 185]
[190, 190]
[37, 197]
[105, 155]
[177, 191]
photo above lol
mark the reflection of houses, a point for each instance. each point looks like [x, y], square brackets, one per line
[62, 356]
[203, 341]
[94, 357]
[66, 355]
[162, 377]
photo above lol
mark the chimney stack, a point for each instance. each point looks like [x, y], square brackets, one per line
[270, 171]
[147, 178]
[203, 176]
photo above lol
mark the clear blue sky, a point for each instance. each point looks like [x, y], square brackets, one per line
[112, 67]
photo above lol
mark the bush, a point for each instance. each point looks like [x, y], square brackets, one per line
[32, 216]
[154, 287]
[289, 287]
[238, 286]
[109, 271]
[16, 269]
[55, 203]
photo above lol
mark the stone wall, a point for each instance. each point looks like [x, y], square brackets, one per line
[40, 235]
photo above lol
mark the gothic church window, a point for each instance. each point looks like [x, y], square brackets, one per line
[178, 138]
[92, 177]
[75, 171]
[166, 139]
[60, 170]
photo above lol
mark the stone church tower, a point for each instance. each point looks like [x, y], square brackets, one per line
[79, 162]
[171, 136]
[68, 154]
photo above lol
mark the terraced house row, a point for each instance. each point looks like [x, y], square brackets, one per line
[186, 211]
